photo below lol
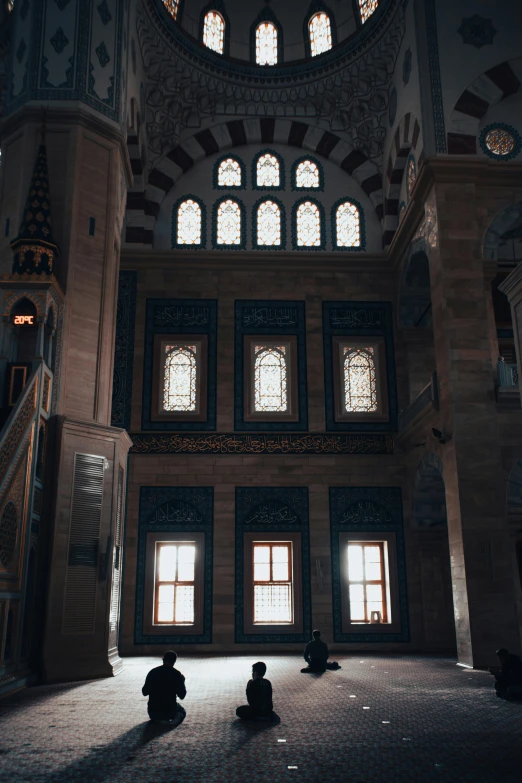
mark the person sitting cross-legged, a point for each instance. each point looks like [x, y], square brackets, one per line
[259, 697]
[508, 678]
[316, 655]
[162, 685]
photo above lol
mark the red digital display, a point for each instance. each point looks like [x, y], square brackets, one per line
[23, 320]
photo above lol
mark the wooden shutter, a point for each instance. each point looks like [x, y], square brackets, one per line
[84, 536]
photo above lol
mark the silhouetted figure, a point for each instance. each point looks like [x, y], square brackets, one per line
[259, 697]
[162, 685]
[316, 655]
[508, 678]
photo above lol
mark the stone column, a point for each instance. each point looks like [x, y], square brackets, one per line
[483, 588]
[72, 63]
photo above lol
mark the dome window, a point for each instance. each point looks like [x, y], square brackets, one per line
[172, 7]
[367, 8]
[214, 31]
[320, 31]
[266, 44]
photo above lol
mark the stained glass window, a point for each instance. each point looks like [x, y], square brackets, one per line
[500, 142]
[180, 378]
[269, 224]
[411, 175]
[172, 7]
[347, 226]
[266, 44]
[214, 31]
[229, 223]
[272, 583]
[320, 33]
[189, 223]
[270, 378]
[229, 174]
[366, 8]
[307, 175]
[268, 171]
[175, 583]
[366, 581]
[360, 381]
[308, 226]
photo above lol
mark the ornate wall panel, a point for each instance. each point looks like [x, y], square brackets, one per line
[175, 510]
[367, 510]
[271, 317]
[359, 319]
[124, 351]
[180, 316]
[272, 510]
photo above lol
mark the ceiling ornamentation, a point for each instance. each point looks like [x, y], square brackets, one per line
[345, 91]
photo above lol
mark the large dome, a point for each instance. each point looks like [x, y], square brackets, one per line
[291, 16]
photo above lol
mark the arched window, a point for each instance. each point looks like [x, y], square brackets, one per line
[320, 32]
[411, 174]
[307, 175]
[229, 173]
[347, 225]
[367, 8]
[214, 31]
[270, 378]
[308, 225]
[266, 44]
[228, 225]
[189, 223]
[172, 7]
[179, 380]
[268, 171]
[269, 224]
[360, 382]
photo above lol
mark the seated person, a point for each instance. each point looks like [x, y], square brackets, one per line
[508, 678]
[259, 697]
[162, 685]
[316, 655]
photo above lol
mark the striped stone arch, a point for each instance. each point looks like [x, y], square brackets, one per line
[407, 139]
[143, 201]
[490, 88]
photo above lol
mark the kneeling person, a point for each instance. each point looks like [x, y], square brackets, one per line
[259, 696]
[162, 685]
[316, 655]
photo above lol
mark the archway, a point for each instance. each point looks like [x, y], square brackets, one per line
[429, 521]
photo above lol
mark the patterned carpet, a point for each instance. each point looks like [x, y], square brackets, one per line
[428, 720]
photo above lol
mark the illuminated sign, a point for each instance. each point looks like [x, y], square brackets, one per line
[23, 320]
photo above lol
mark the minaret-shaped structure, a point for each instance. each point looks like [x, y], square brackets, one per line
[34, 250]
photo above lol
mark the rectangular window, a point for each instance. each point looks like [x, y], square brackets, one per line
[270, 382]
[272, 580]
[179, 386]
[174, 589]
[174, 583]
[272, 583]
[367, 582]
[359, 379]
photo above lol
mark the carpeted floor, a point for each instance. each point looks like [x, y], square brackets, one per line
[425, 720]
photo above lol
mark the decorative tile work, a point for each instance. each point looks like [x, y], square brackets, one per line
[435, 77]
[367, 510]
[124, 350]
[359, 319]
[175, 510]
[477, 31]
[274, 510]
[180, 316]
[269, 317]
[235, 443]
[105, 14]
